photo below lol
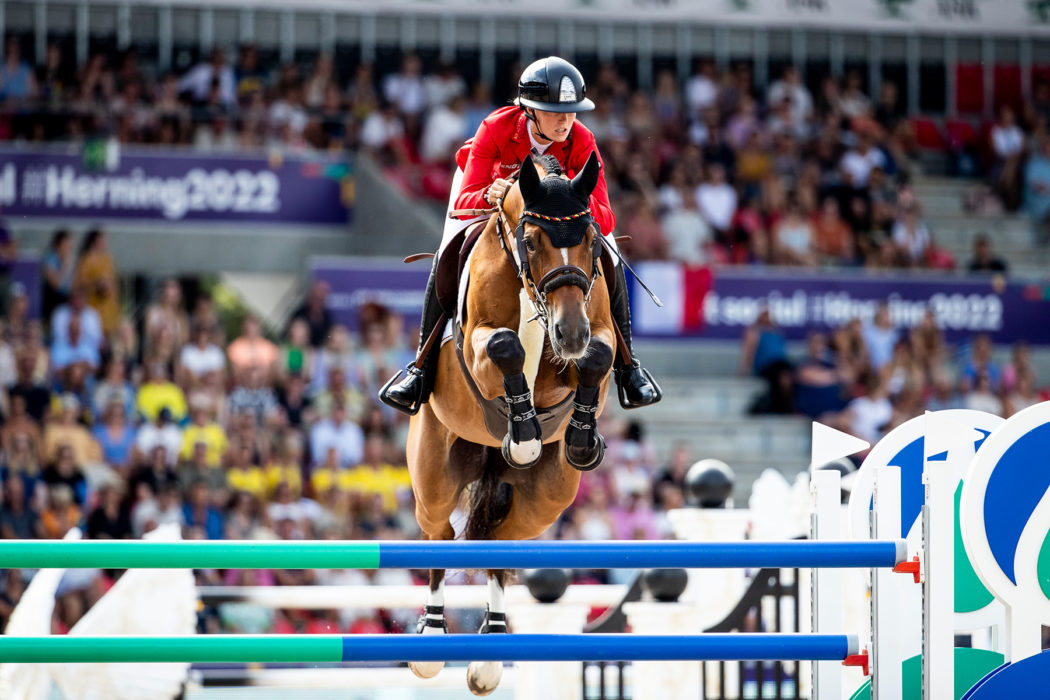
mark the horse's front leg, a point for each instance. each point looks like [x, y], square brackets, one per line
[584, 445]
[523, 443]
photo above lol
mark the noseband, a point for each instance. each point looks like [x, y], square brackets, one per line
[558, 277]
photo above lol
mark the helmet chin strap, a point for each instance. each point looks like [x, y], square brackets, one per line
[530, 114]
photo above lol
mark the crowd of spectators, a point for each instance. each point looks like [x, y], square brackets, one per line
[866, 378]
[712, 170]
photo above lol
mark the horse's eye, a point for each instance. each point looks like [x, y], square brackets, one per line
[530, 246]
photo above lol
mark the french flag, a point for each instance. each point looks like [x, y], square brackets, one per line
[682, 289]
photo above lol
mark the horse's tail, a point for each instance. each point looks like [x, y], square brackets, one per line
[489, 498]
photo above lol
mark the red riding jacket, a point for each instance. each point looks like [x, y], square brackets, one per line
[500, 145]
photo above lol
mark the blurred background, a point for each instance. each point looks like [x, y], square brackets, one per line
[842, 203]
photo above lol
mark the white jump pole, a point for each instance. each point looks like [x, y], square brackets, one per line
[888, 590]
[938, 591]
[826, 586]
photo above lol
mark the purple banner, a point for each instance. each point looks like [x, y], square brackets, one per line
[355, 282]
[109, 182]
[721, 304]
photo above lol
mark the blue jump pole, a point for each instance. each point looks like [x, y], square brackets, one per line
[459, 554]
[273, 648]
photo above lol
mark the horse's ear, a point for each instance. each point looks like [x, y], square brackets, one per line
[528, 179]
[587, 179]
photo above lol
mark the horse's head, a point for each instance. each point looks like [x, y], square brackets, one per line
[557, 245]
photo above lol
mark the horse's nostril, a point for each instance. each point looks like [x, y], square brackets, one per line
[558, 335]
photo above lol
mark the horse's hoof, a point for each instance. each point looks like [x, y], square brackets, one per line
[522, 455]
[585, 460]
[483, 677]
[426, 669]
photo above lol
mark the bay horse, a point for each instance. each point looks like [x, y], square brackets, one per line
[513, 414]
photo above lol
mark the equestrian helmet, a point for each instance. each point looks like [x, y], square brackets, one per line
[553, 84]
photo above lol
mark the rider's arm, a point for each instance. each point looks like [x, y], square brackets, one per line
[477, 172]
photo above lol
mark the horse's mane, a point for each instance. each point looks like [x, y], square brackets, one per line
[549, 164]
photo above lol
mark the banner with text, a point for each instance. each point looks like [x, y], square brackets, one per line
[938, 16]
[173, 186]
[722, 303]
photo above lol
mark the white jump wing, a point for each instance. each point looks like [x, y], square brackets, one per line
[158, 602]
[32, 618]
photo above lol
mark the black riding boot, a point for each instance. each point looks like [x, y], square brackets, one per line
[636, 385]
[408, 393]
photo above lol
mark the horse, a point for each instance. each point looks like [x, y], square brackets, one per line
[512, 419]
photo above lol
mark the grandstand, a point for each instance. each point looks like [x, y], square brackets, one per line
[203, 205]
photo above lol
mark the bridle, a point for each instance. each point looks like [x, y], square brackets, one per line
[556, 278]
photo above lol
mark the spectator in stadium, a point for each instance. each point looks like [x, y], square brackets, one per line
[793, 237]
[911, 237]
[90, 322]
[1037, 186]
[790, 89]
[1020, 364]
[74, 348]
[944, 396]
[853, 102]
[162, 507]
[857, 163]
[18, 519]
[36, 396]
[113, 387]
[716, 200]
[57, 270]
[405, 90]
[550, 93]
[314, 311]
[202, 520]
[880, 336]
[65, 431]
[337, 433]
[1023, 395]
[158, 394]
[701, 90]
[110, 519]
[689, 238]
[1008, 145]
[17, 81]
[819, 380]
[252, 351]
[253, 396]
[96, 274]
[982, 396]
[199, 358]
[204, 431]
[116, 436]
[159, 433]
[61, 514]
[214, 73]
[868, 415]
[984, 259]
[19, 423]
[981, 362]
[166, 316]
[832, 236]
[297, 406]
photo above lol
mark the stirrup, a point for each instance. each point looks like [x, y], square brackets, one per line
[638, 402]
[410, 373]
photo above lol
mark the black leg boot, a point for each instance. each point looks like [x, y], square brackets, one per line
[409, 389]
[636, 385]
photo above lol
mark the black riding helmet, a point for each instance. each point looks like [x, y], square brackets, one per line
[553, 84]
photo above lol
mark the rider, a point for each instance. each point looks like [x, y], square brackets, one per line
[543, 120]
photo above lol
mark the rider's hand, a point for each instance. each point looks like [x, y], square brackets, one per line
[497, 190]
